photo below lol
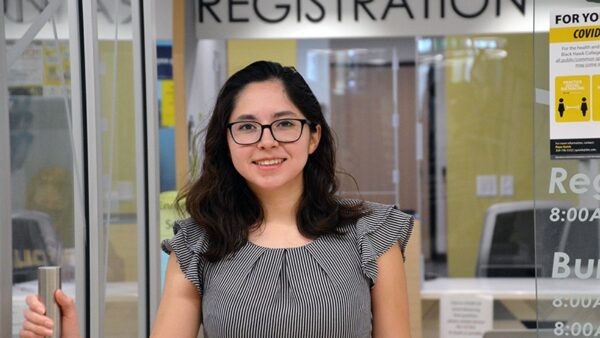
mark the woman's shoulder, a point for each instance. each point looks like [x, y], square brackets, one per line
[376, 213]
[189, 242]
[380, 227]
[188, 234]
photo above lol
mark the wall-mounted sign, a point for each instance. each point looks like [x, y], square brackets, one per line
[575, 84]
[466, 316]
[226, 19]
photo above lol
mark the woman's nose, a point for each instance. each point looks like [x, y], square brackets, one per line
[267, 139]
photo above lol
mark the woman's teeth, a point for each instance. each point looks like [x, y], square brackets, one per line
[269, 162]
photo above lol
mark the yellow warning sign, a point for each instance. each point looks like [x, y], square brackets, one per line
[572, 95]
[596, 97]
[572, 34]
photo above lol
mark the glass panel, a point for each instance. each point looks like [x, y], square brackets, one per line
[472, 95]
[116, 56]
[476, 203]
[42, 166]
[568, 292]
[361, 124]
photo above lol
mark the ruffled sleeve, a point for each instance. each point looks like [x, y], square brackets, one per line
[189, 242]
[378, 231]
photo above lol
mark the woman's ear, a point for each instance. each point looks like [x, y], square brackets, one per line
[315, 137]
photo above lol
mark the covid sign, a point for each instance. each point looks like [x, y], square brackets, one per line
[575, 84]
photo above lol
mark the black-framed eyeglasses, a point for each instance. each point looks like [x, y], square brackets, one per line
[283, 130]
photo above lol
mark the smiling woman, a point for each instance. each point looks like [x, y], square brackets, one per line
[269, 236]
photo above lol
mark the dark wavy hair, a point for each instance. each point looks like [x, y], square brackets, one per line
[220, 200]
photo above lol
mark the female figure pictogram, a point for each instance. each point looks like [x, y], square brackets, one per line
[561, 106]
[584, 106]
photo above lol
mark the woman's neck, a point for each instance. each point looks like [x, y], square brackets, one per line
[280, 209]
[280, 204]
[279, 228]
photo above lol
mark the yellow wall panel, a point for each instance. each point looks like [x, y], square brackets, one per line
[489, 110]
[123, 161]
[241, 53]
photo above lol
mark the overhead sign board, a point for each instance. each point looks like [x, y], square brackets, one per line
[226, 19]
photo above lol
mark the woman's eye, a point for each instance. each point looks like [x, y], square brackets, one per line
[285, 124]
[246, 127]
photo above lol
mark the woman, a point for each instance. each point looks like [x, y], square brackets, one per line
[269, 249]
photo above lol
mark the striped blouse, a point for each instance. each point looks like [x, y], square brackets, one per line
[321, 289]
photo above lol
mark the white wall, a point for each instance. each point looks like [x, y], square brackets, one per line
[313, 64]
[405, 47]
[164, 19]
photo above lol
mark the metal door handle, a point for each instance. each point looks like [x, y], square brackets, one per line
[48, 282]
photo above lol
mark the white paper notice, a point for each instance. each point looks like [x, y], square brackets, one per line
[464, 316]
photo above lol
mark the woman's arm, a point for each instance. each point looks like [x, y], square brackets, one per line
[389, 298]
[180, 310]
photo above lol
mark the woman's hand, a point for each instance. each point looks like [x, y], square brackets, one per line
[38, 325]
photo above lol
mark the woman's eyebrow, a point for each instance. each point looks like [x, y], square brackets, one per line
[251, 117]
[246, 117]
[284, 114]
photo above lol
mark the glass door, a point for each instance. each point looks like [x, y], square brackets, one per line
[45, 130]
[360, 100]
[476, 201]
[77, 139]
